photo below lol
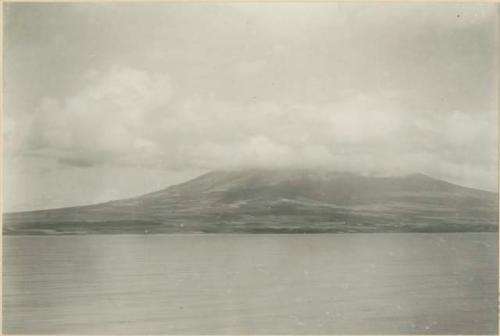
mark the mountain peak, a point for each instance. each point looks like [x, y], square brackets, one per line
[421, 176]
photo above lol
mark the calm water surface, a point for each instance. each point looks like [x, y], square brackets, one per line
[260, 284]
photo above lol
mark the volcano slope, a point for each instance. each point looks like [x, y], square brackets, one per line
[278, 201]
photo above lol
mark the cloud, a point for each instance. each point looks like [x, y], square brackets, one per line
[131, 117]
[104, 122]
[94, 92]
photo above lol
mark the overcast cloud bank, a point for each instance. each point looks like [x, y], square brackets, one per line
[373, 89]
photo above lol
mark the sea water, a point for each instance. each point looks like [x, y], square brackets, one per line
[258, 284]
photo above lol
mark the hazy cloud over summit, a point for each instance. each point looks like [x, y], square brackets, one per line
[173, 89]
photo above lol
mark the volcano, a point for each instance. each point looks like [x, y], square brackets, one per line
[278, 201]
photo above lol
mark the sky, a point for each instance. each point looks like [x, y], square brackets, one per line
[110, 100]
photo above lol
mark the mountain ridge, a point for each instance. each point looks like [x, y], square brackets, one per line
[281, 201]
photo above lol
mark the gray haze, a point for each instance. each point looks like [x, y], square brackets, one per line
[104, 101]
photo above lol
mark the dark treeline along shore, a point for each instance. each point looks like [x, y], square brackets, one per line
[277, 201]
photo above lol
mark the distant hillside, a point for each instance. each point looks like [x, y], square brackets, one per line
[278, 201]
